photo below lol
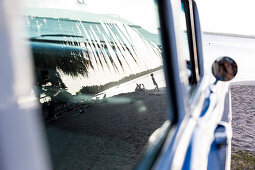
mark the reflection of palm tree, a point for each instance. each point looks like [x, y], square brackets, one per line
[114, 49]
[71, 60]
[49, 60]
[81, 1]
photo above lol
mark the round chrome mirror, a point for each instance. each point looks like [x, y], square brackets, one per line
[224, 69]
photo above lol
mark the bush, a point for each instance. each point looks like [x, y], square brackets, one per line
[242, 160]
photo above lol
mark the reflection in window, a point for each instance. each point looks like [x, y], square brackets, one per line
[99, 80]
[185, 43]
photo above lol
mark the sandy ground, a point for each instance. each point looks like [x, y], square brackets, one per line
[110, 135]
[243, 116]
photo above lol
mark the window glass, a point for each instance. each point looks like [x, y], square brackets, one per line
[99, 79]
[185, 43]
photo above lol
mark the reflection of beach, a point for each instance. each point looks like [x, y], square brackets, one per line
[107, 134]
[243, 111]
[130, 85]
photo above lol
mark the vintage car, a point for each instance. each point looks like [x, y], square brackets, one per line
[110, 84]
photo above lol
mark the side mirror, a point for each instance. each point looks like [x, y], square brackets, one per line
[224, 69]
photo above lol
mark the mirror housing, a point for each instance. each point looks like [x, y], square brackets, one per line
[224, 69]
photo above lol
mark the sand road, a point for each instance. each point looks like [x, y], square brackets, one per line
[243, 116]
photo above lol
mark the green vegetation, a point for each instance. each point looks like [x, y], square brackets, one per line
[97, 89]
[242, 160]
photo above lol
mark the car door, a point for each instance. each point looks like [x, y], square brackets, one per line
[82, 125]
[213, 129]
[204, 107]
[107, 95]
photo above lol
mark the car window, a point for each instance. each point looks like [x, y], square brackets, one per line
[185, 44]
[188, 46]
[99, 79]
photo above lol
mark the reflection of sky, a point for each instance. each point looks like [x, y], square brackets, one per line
[231, 16]
[132, 49]
[140, 12]
[145, 52]
[141, 43]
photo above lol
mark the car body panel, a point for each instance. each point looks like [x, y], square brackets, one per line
[22, 143]
[188, 141]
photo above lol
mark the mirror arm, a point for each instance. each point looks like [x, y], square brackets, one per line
[216, 81]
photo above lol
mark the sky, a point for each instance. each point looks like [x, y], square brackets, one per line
[228, 16]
